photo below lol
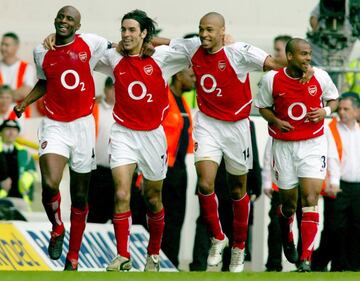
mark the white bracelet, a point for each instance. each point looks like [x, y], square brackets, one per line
[327, 110]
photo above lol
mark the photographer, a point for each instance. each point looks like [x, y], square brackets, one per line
[331, 38]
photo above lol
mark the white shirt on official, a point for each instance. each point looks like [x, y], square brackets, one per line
[349, 168]
[10, 73]
[106, 120]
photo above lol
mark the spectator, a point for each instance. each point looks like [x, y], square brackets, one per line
[20, 166]
[19, 75]
[344, 170]
[178, 130]
[323, 52]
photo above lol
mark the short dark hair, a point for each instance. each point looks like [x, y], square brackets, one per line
[144, 21]
[353, 97]
[109, 82]
[283, 38]
[13, 36]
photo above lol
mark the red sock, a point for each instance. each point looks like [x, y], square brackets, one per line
[52, 209]
[241, 208]
[156, 223]
[77, 228]
[309, 228]
[286, 224]
[210, 214]
[122, 223]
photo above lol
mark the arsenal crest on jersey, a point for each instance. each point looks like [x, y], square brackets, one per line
[312, 90]
[222, 65]
[83, 56]
[148, 69]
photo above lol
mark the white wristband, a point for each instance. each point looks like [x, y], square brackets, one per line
[327, 110]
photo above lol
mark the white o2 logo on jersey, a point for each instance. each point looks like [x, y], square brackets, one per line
[303, 112]
[143, 94]
[76, 83]
[213, 87]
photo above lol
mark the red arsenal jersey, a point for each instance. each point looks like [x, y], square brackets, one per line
[291, 101]
[70, 91]
[222, 78]
[141, 100]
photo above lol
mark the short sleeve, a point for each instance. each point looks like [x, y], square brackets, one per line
[186, 46]
[264, 98]
[39, 54]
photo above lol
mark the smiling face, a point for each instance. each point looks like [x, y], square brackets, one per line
[299, 57]
[132, 36]
[212, 32]
[67, 22]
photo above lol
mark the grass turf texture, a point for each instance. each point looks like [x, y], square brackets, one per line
[178, 276]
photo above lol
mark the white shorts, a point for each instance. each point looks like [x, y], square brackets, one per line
[147, 149]
[74, 140]
[298, 159]
[214, 139]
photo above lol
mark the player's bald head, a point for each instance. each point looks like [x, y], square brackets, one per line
[215, 18]
[294, 44]
[72, 11]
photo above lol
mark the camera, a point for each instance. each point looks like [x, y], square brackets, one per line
[338, 24]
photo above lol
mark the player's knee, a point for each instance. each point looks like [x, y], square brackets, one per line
[49, 183]
[205, 187]
[310, 199]
[79, 200]
[288, 209]
[122, 196]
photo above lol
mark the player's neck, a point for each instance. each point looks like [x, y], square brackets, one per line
[176, 90]
[10, 60]
[293, 72]
[61, 41]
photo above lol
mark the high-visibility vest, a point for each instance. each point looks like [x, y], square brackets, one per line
[173, 124]
[19, 83]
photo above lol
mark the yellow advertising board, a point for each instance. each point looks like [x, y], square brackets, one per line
[16, 253]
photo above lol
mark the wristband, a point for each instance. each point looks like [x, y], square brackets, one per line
[327, 110]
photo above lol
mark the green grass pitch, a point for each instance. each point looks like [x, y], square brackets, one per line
[177, 276]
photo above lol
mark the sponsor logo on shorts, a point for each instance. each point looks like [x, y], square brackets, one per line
[93, 153]
[44, 144]
[196, 145]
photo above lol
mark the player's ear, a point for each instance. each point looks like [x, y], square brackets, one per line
[143, 34]
[78, 26]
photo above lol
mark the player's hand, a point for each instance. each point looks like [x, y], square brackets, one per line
[307, 75]
[19, 109]
[147, 50]
[332, 190]
[49, 42]
[268, 192]
[316, 114]
[283, 126]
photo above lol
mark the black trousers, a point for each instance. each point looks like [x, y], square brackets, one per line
[325, 253]
[101, 195]
[174, 201]
[347, 228]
